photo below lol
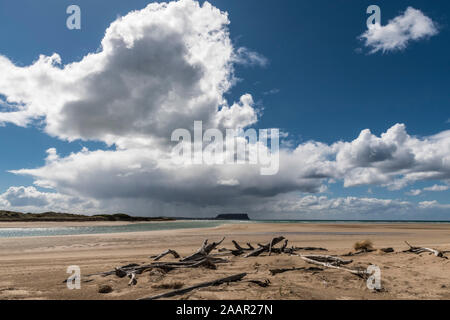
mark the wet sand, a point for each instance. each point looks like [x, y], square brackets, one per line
[35, 267]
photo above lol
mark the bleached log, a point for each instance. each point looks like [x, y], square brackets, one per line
[359, 273]
[236, 277]
[418, 250]
[133, 279]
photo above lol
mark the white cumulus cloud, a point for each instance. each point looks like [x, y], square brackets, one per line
[158, 69]
[412, 25]
[30, 199]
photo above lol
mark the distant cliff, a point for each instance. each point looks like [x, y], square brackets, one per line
[232, 216]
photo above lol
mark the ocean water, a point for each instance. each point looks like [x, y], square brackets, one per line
[135, 227]
[179, 224]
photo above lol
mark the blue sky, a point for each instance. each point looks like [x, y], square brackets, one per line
[320, 83]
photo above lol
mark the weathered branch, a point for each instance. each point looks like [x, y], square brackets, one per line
[310, 249]
[168, 251]
[360, 273]
[283, 247]
[328, 259]
[264, 247]
[418, 250]
[204, 250]
[133, 279]
[350, 254]
[263, 284]
[237, 246]
[232, 278]
[282, 270]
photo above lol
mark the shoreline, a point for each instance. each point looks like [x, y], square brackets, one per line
[351, 226]
[63, 224]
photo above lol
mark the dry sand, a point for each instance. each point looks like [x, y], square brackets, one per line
[35, 267]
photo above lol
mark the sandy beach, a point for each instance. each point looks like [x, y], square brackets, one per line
[35, 267]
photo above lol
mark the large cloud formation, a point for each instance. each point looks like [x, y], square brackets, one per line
[412, 25]
[162, 68]
[158, 69]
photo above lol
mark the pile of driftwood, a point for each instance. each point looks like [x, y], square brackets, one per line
[418, 250]
[204, 257]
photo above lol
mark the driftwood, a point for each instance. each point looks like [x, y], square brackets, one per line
[133, 279]
[283, 247]
[240, 250]
[350, 254]
[233, 278]
[204, 250]
[328, 259]
[310, 249]
[270, 246]
[293, 249]
[208, 262]
[263, 284]
[282, 270]
[204, 257]
[168, 251]
[120, 272]
[237, 246]
[360, 273]
[265, 247]
[107, 273]
[167, 266]
[387, 250]
[418, 250]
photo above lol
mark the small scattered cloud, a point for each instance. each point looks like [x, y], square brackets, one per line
[271, 91]
[434, 188]
[412, 25]
[437, 188]
[228, 182]
[413, 192]
[246, 56]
